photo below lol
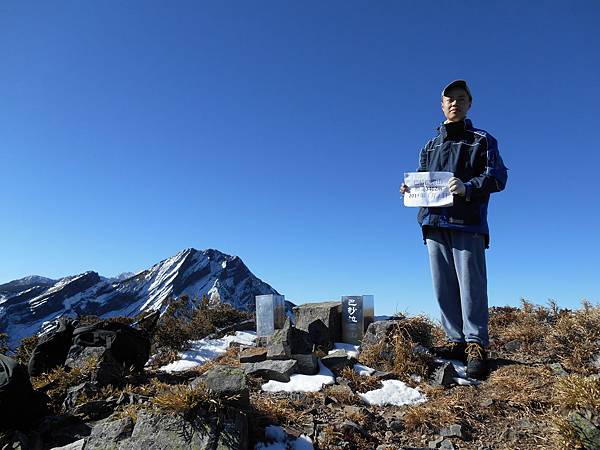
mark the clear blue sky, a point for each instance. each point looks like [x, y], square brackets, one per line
[279, 131]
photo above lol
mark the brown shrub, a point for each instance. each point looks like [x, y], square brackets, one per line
[342, 395]
[360, 383]
[185, 320]
[25, 349]
[280, 410]
[396, 353]
[182, 399]
[575, 338]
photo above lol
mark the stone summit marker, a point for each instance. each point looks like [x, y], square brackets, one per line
[270, 314]
[357, 314]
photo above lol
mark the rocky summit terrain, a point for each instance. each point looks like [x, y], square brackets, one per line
[542, 390]
[26, 305]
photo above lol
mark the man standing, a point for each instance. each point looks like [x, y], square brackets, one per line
[457, 236]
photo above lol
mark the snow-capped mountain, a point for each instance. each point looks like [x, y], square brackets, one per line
[27, 304]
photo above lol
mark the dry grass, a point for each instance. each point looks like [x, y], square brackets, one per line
[342, 395]
[575, 338]
[183, 399]
[25, 349]
[57, 382]
[229, 358]
[278, 409]
[360, 383]
[575, 393]
[548, 334]
[395, 353]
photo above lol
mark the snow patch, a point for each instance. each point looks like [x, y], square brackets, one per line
[393, 392]
[302, 383]
[278, 439]
[363, 370]
[205, 350]
[351, 349]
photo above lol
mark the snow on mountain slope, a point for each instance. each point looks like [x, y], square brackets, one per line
[27, 304]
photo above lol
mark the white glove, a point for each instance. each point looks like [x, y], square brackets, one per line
[457, 187]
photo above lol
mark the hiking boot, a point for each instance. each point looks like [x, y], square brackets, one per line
[476, 360]
[451, 350]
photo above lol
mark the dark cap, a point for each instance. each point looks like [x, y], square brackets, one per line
[460, 84]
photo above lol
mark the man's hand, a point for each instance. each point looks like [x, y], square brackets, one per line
[404, 189]
[457, 187]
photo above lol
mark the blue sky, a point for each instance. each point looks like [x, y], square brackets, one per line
[279, 132]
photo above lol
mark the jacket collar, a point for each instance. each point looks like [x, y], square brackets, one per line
[442, 129]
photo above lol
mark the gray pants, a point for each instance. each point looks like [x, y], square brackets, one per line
[457, 261]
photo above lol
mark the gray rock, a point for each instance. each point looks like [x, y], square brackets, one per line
[109, 433]
[278, 370]
[280, 344]
[452, 431]
[586, 431]
[307, 364]
[253, 354]
[396, 426]
[513, 346]
[227, 382]
[108, 371]
[441, 443]
[435, 443]
[558, 370]
[337, 360]
[76, 393]
[77, 445]
[155, 431]
[322, 321]
[443, 375]
[79, 357]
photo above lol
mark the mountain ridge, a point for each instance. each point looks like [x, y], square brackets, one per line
[27, 304]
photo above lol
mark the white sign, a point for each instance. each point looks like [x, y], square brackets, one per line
[428, 189]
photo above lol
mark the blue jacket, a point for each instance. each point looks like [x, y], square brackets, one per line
[472, 155]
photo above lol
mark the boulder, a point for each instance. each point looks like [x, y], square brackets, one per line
[227, 382]
[307, 364]
[337, 360]
[107, 369]
[278, 370]
[109, 432]
[157, 431]
[322, 321]
[289, 341]
[253, 354]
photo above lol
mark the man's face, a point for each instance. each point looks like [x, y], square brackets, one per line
[455, 104]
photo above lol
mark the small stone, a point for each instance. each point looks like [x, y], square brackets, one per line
[337, 360]
[253, 354]
[396, 426]
[435, 443]
[558, 370]
[307, 364]
[452, 431]
[278, 370]
[486, 403]
[513, 346]
[447, 445]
